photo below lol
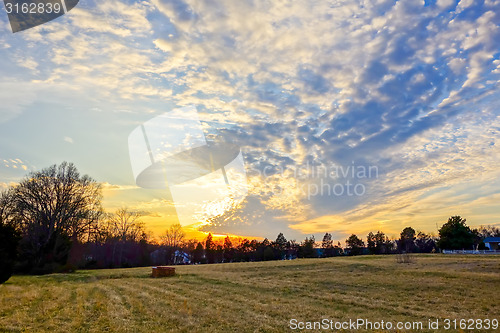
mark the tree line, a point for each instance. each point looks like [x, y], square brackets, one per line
[53, 221]
[453, 235]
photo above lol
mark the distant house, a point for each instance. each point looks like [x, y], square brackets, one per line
[492, 243]
[319, 252]
[182, 258]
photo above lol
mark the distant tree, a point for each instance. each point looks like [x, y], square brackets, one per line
[255, 249]
[8, 214]
[327, 245]
[261, 249]
[173, 239]
[219, 253]
[127, 225]
[124, 230]
[476, 238]
[371, 243]
[268, 253]
[455, 235]
[280, 245]
[383, 243]
[189, 247]
[425, 243]
[378, 243]
[228, 250]
[306, 249]
[209, 244]
[198, 253]
[407, 240]
[337, 250]
[354, 244]
[488, 231]
[210, 249]
[244, 251]
[280, 242]
[174, 236]
[292, 249]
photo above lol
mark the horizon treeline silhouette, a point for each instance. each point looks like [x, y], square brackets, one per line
[53, 221]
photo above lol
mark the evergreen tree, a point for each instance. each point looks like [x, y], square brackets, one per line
[455, 235]
[228, 250]
[354, 244]
[210, 249]
[407, 240]
[306, 249]
[327, 245]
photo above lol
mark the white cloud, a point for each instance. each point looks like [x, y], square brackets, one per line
[445, 4]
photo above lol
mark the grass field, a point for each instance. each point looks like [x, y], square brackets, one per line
[255, 297]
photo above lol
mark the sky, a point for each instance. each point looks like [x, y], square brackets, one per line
[350, 116]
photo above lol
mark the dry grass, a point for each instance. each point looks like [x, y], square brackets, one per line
[405, 258]
[253, 297]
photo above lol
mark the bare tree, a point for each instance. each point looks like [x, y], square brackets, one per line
[51, 207]
[124, 226]
[7, 208]
[488, 231]
[127, 225]
[173, 239]
[174, 236]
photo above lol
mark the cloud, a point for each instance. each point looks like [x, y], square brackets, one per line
[362, 86]
[13, 170]
[407, 86]
[115, 187]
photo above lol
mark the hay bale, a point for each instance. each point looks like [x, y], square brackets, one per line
[163, 271]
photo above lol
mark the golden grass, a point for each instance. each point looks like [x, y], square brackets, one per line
[254, 297]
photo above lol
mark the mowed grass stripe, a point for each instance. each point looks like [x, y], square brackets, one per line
[248, 297]
[210, 301]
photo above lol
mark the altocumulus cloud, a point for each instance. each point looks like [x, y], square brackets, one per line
[406, 86]
[337, 82]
